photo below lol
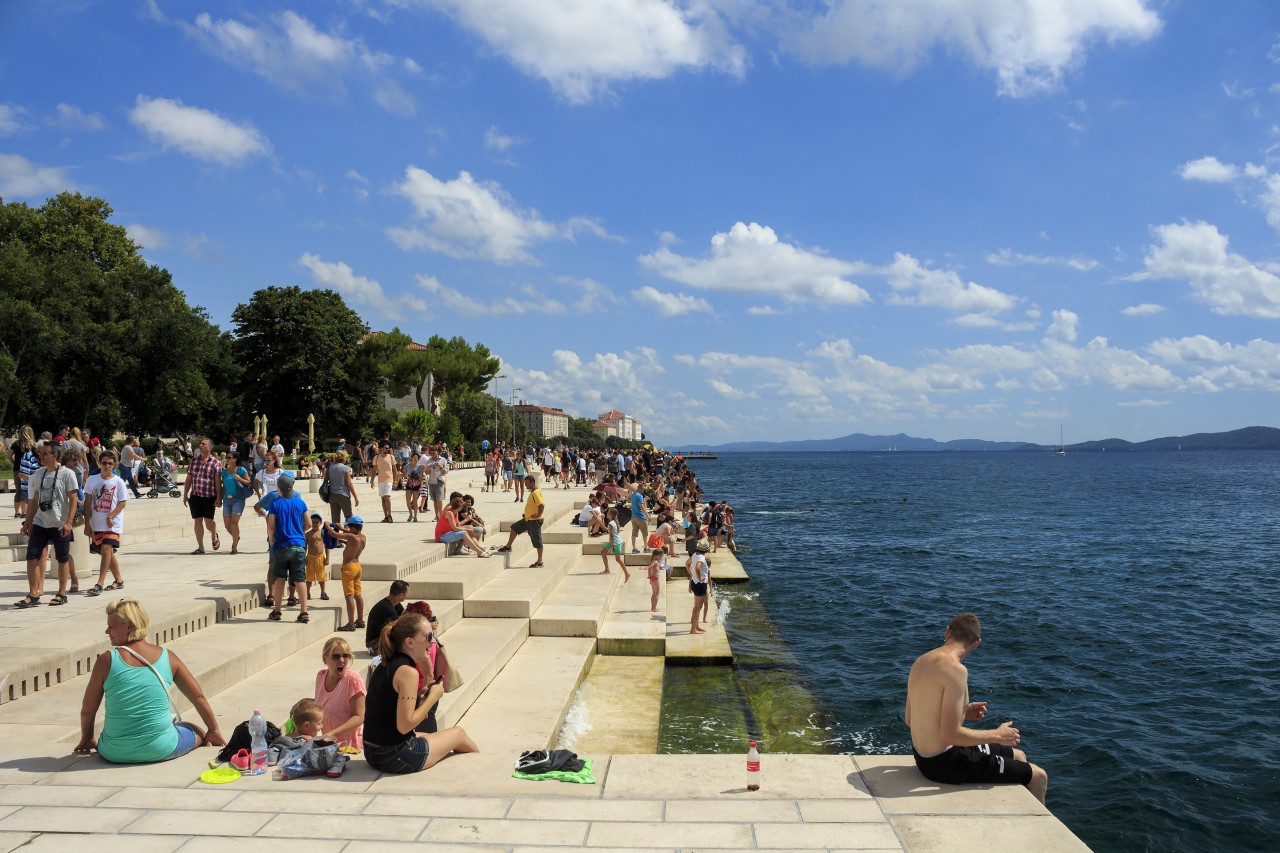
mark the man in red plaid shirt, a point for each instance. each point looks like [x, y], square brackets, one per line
[202, 493]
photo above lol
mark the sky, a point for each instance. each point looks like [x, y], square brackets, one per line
[730, 219]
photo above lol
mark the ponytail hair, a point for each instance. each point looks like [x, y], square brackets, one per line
[395, 633]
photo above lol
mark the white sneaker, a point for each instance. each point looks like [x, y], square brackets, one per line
[465, 551]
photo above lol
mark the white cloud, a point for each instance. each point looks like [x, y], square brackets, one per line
[1210, 170]
[631, 381]
[71, 117]
[764, 311]
[1146, 309]
[1227, 282]
[1144, 403]
[671, 304]
[465, 218]
[915, 284]
[362, 291]
[1221, 366]
[290, 52]
[495, 140]
[1065, 326]
[147, 238]
[581, 48]
[1008, 258]
[200, 133]
[1029, 44]
[11, 120]
[446, 300]
[393, 98]
[751, 259]
[731, 392]
[20, 178]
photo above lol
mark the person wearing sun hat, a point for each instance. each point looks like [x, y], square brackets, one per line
[353, 542]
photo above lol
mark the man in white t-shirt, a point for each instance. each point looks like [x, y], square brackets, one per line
[437, 468]
[276, 447]
[106, 495]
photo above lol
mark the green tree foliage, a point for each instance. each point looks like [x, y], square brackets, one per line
[300, 350]
[416, 424]
[101, 338]
[458, 368]
[582, 435]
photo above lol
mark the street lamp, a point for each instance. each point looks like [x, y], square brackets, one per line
[495, 411]
[513, 414]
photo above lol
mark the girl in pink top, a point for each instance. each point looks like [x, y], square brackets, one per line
[340, 691]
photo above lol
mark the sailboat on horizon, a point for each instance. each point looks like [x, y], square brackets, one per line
[1062, 445]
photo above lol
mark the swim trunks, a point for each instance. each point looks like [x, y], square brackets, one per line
[317, 569]
[351, 573]
[989, 762]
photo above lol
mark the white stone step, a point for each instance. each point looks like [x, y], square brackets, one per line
[518, 591]
[525, 705]
[578, 605]
[630, 627]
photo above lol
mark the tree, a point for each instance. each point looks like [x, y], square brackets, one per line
[416, 424]
[106, 340]
[299, 349]
[581, 434]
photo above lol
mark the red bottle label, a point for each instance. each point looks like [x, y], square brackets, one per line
[753, 766]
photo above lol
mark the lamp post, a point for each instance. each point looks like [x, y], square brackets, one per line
[513, 414]
[495, 412]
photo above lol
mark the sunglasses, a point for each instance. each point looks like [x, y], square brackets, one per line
[341, 655]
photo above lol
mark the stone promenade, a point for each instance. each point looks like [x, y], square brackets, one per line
[526, 639]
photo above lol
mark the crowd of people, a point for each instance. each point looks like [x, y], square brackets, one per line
[69, 479]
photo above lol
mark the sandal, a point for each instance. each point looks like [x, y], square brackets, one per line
[96, 590]
[359, 623]
[304, 618]
[27, 601]
[217, 543]
[503, 550]
[57, 599]
[197, 551]
[274, 615]
[347, 627]
[536, 565]
[292, 602]
[268, 602]
[116, 585]
[75, 587]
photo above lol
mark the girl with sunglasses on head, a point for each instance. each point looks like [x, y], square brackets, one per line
[340, 692]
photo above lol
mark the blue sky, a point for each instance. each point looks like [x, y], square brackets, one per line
[731, 219]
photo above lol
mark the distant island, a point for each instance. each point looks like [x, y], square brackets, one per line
[1249, 438]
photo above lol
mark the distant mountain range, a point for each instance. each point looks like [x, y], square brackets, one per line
[1249, 438]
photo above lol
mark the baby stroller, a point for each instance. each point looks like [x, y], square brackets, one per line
[162, 480]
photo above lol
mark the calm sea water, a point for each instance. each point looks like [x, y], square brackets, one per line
[1131, 622]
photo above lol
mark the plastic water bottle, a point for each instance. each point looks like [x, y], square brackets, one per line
[258, 747]
[753, 768]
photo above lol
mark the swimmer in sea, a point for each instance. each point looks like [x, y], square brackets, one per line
[938, 704]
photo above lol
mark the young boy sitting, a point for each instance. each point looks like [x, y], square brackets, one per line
[302, 753]
[353, 542]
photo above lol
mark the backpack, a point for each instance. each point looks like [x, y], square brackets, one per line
[241, 739]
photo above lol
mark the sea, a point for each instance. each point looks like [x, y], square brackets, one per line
[1130, 604]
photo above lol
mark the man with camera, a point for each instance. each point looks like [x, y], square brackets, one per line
[51, 508]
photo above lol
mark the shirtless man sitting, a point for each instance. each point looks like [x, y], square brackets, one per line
[937, 706]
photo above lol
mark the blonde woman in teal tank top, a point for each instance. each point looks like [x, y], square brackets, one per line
[138, 725]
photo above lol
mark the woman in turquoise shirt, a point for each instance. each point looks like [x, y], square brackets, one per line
[138, 724]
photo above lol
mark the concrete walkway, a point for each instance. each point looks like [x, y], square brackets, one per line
[525, 639]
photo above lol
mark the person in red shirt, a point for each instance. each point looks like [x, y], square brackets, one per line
[449, 530]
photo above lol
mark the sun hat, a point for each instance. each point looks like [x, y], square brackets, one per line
[704, 545]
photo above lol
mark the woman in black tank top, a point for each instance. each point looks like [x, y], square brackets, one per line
[395, 707]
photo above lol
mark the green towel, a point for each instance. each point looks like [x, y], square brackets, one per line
[582, 777]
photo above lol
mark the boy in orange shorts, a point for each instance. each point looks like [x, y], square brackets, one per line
[353, 542]
[317, 557]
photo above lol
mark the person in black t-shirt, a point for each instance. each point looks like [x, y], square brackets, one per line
[386, 610]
